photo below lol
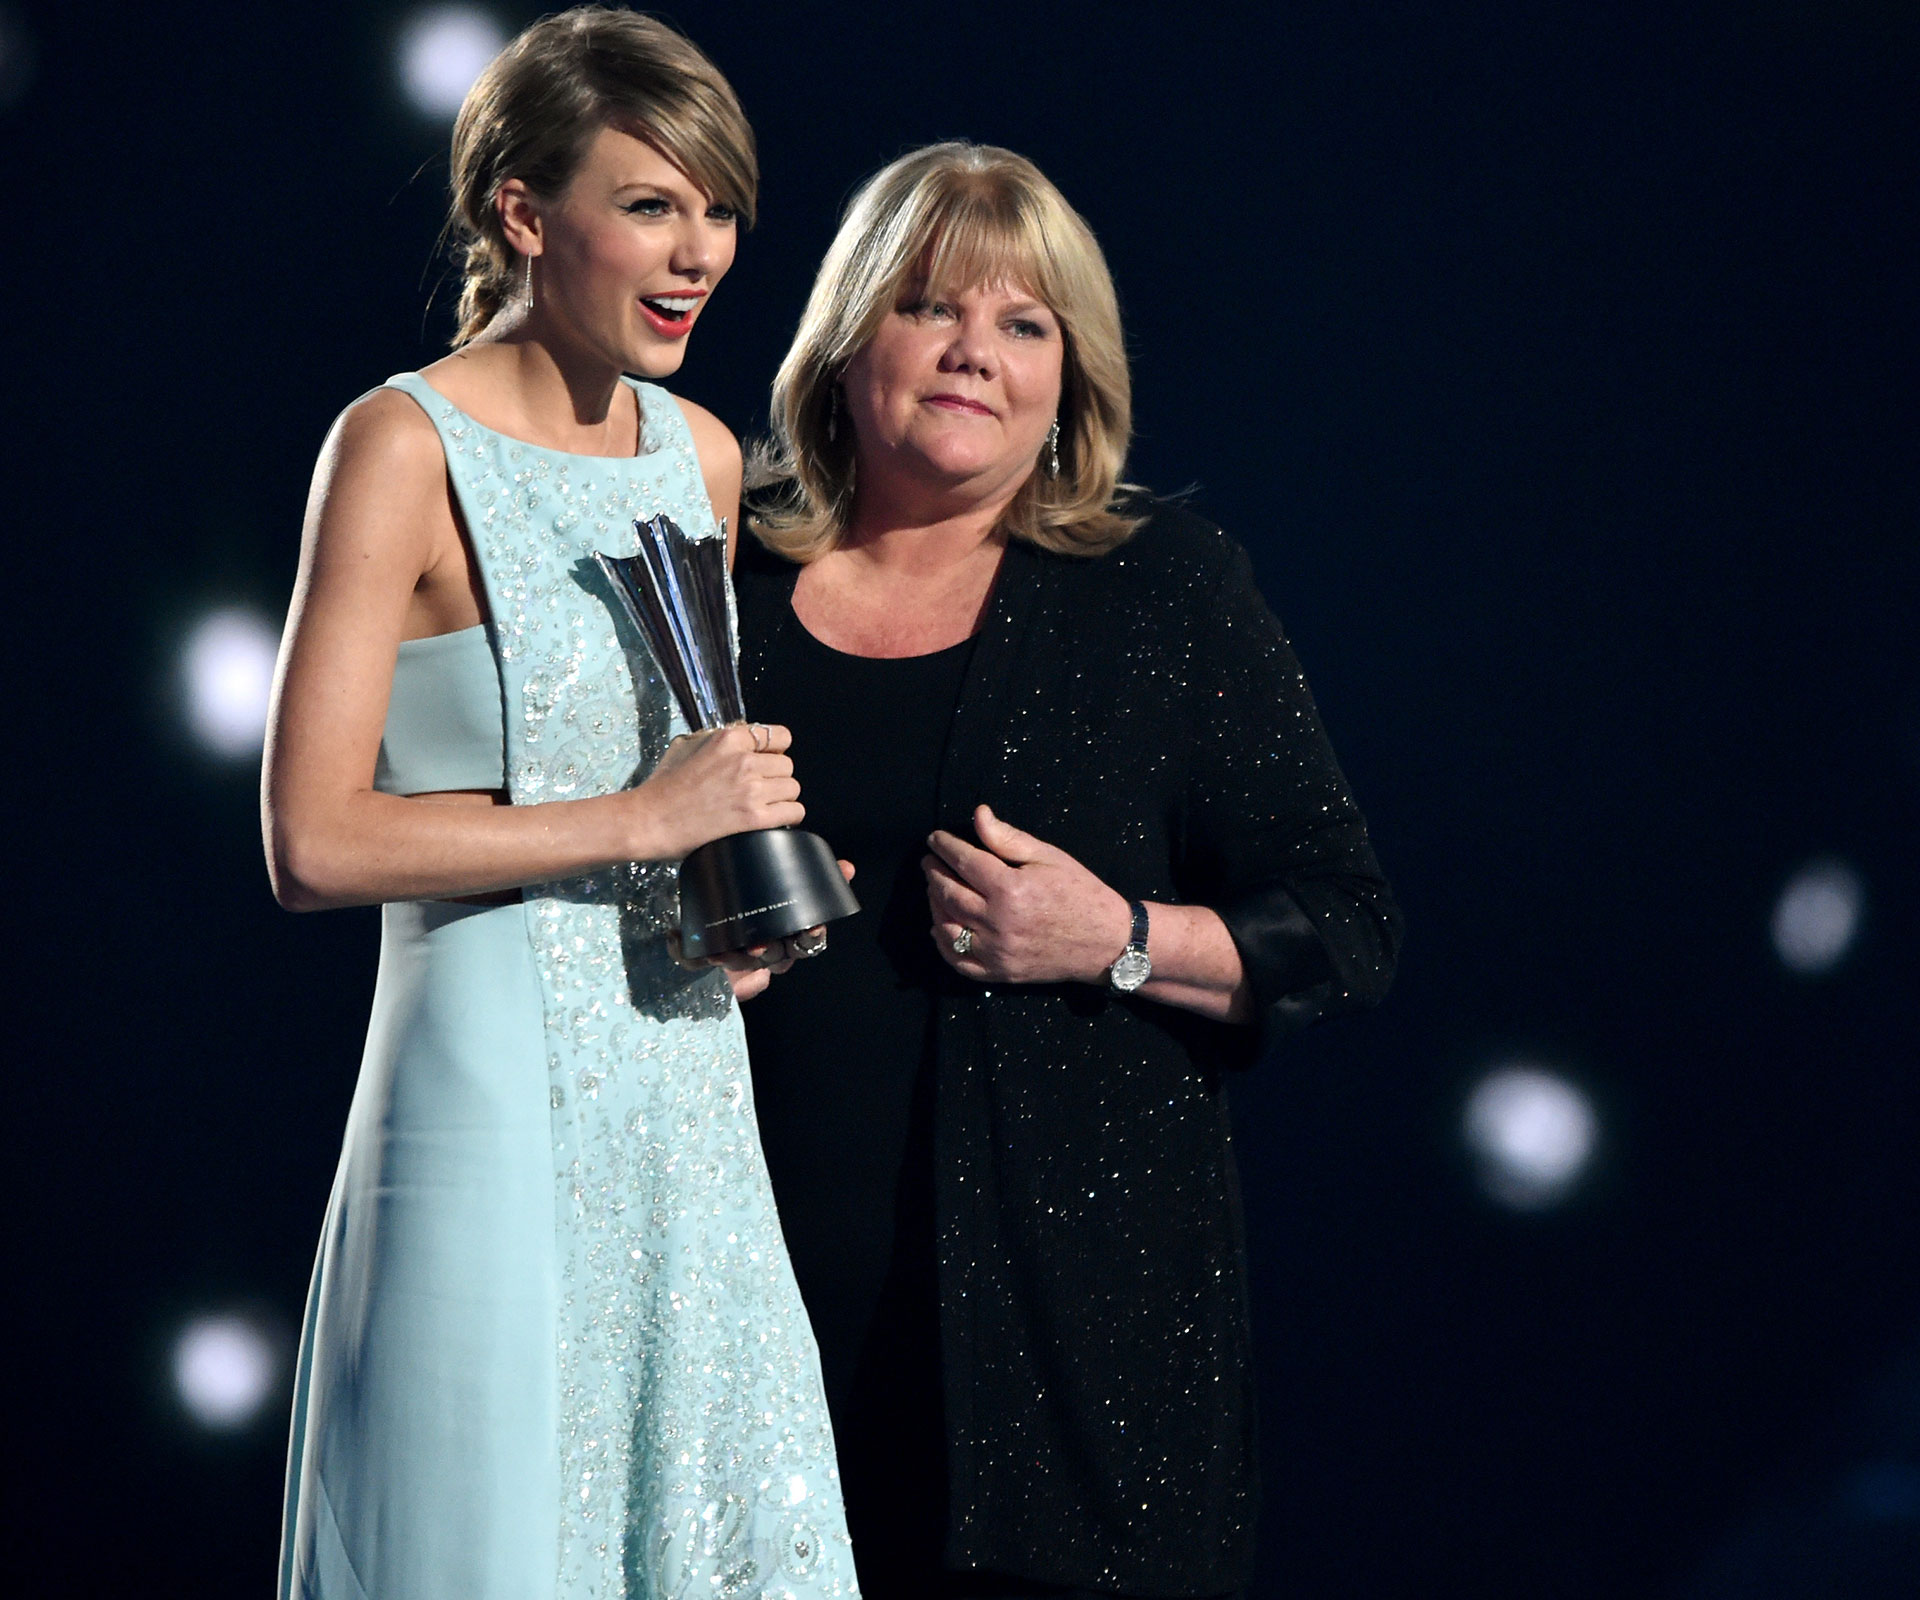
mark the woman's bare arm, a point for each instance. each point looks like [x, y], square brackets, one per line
[374, 535]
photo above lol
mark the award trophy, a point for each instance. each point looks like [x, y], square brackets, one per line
[748, 888]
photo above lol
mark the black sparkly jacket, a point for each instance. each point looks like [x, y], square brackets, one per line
[1142, 711]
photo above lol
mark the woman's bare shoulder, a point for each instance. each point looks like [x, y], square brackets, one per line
[380, 484]
[386, 428]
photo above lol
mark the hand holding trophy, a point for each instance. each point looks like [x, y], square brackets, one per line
[748, 889]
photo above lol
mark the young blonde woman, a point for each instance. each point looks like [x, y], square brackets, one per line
[553, 1346]
[1106, 855]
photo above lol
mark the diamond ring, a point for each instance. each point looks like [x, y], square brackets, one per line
[963, 941]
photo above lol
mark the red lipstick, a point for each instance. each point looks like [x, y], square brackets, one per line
[671, 314]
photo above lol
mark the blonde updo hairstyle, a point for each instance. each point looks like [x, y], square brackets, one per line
[943, 218]
[539, 104]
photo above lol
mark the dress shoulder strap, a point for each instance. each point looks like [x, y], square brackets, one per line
[663, 427]
[412, 383]
[440, 411]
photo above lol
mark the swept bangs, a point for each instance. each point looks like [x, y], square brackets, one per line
[706, 138]
[960, 229]
[941, 219]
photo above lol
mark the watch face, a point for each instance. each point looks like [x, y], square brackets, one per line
[1130, 971]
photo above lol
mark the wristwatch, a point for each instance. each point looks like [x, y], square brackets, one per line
[1134, 966]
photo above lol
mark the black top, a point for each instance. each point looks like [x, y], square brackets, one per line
[841, 1052]
[1142, 711]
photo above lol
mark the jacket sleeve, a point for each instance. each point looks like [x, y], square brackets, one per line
[1273, 840]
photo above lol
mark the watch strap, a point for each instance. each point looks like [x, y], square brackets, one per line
[1132, 967]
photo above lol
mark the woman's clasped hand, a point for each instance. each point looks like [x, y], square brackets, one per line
[1034, 914]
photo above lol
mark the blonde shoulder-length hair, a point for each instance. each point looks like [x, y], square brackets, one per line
[942, 218]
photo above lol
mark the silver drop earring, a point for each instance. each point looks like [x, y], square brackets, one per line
[833, 415]
[529, 285]
[1053, 449]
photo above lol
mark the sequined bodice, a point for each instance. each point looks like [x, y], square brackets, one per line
[695, 1451]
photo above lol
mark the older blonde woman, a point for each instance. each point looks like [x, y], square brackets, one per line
[1107, 855]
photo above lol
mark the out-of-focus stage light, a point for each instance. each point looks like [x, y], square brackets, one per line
[17, 58]
[442, 50]
[228, 665]
[1531, 1133]
[1818, 917]
[225, 1370]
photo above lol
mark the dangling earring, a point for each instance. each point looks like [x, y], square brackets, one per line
[529, 285]
[1053, 449]
[833, 414]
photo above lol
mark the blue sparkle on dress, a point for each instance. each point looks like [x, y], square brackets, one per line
[553, 1346]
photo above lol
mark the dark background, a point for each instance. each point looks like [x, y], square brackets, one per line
[1556, 362]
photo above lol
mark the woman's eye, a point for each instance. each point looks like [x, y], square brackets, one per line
[722, 214]
[649, 206]
[1021, 328]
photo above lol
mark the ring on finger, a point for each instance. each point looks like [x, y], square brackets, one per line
[963, 941]
[808, 943]
[762, 736]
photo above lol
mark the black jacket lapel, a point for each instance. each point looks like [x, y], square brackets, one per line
[1017, 594]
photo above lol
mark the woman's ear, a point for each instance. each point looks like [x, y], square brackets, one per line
[519, 210]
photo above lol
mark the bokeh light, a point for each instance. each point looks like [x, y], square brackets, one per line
[225, 1369]
[1532, 1135]
[1817, 917]
[442, 50]
[228, 667]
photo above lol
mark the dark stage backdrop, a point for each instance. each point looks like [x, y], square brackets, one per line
[1556, 362]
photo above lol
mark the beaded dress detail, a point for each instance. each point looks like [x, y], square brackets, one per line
[694, 1451]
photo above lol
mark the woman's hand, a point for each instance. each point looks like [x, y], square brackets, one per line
[750, 971]
[730, 780]
[1035, 914]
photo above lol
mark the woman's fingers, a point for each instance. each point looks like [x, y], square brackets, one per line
[951, 896]
[959, 948]
[762, 738]
[1009, 843]
[776, 956]
[746, 985]
[969, 862]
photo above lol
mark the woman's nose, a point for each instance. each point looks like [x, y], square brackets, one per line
[969, 350]
[698, 249]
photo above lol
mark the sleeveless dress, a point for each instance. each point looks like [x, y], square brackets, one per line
[553, 1346]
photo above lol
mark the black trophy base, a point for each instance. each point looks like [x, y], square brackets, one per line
[753, 888]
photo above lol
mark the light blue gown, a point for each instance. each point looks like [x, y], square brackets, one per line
[553, 1346]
